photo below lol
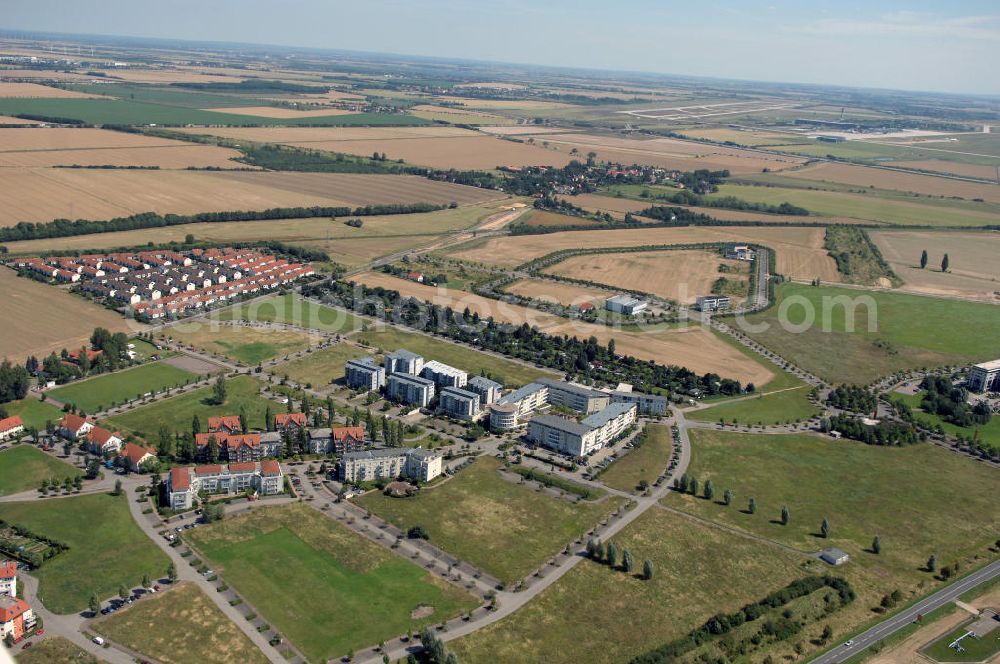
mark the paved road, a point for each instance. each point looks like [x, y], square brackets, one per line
[908, 615]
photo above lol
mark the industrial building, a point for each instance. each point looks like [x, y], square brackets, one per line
[403, 361]
[581, 399]
[985, 377]
[364, 374]
[415, 463]
[410, 389]
[625, 304]
[444, 375]
[459, 403]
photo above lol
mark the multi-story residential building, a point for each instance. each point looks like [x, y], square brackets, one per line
[415, 463]
[225, 424]
[510, 410]
[985, 377]
[137, 456]
[444, 375]
[291, 422]
[8, 578]
[580, 399]
[611, 422]
[581, 438]
[103, 442]
[648, 404]
[625, 304]
[488, 390]
[271, 444]
[11, 427]
[338, 440]
[72, 426]
[410, 389]
[459, 403]
[16, 617]
[364, 374]
[231, 447]
[185, 483]
[403, 361]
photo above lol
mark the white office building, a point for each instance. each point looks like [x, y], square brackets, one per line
[985, 377]
[625, 304]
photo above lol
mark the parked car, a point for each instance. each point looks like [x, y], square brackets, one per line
[98, 640]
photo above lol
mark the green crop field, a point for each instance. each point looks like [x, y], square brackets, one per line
[322, 586]
[320, 367]
[198, 632]
[989, 433]
[23, 467]
[905, 495]
[34, 413]
[511, 374]
[102, 391]
[910, 331]
[249, 345]
[293, 310]
[788, 405]
[506, 529]
[645, 462]
[974, 649]
[106, 548]
[177, 412]
[594, 615]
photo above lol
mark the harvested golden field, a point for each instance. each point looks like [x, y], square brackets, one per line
[505, 104]
[281, 112]
[679, 275]
[458, 116]
[45, 75]
[547, 219]
[952, 167]
[560, 293]
[34, 90]
[696, 348]
[973, 271]
[308, 135]
[799, 250]
[751, 138]
[881, 178]
[39, 319]
[41, 195]
[8, 120]
[71, 138]
[669, 153]
[521, 130]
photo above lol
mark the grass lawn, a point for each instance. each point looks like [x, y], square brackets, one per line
[106, 548]
[55, 650]
[243, 344]
[33, 412]
[23, 467]
[782, 379]
[198, 631]
[320, 367]
[102, 391]
[294, 310]
[789, 405]
[645, 462]
[322, 586]
[907, 496]
[511, 374]
[974, 649]
[505, 529]
[594, 615]
[989, 434]
[177, 412]
[909, 331]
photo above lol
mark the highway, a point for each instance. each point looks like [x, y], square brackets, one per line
[905, 617]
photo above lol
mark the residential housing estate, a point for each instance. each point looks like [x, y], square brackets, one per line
[581, 438]
[16, 616]
[415, 463]
[185, 483]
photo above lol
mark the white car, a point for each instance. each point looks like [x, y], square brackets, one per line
[98, 640]
[849, 644]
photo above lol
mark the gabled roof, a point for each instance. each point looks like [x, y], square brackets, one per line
[210, 469]
[11, 608]
[270, 468]
[238, 440]
[73, 422]
[180, 479]
[343, 433]
[284, 419]
[231, 422]
[136, 453]
[9, 423]
[247, 467]
[8, 569]
[100, 435]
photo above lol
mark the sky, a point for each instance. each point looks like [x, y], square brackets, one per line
[951, 46]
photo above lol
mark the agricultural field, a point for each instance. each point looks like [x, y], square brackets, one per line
[10, 90]
[544, 219]
[645, 462]
[100, 534]
[281, 112]
[981, 171]
[912, 514]
[750, 138]
[349, 592]
[457, 115]
[909, 331]
[436, 147]
[973, 273]
[799, 250]
[105, 390]
[34, 413]
[341, 241]
[198, 630]
[678, 275]
[23, 467]
[693, 347]
[321, 367]
[40, 319]
[560, 293]
[46, 194]
[293, 310]
[176, 413]
[510, 373]
[698, 571]
[778, 407]
[504, 528]
[55, 650]
[249, 345]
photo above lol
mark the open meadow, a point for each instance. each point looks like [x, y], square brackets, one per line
[504, 528]
[40, 319]
[348, 592]
[23, 467]
[100, 534]
[779, 407]
[249, 345]
[679, 275]
[198, 631]
[908, 331]
[645, 462]
[320, 367]
[105, 390]
[33, 413]
[293, 310]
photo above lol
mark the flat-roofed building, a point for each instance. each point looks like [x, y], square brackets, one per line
[611, 422]
[648, 404]
[444, 375]
[985, 377]
[403, 361]
[488, 390]
[364, 374]
[415, 463]
[459, 403]
[410, 389]
[581, 399]
[562, 435]
[510, 410]
[625, 304]
[712, 303]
